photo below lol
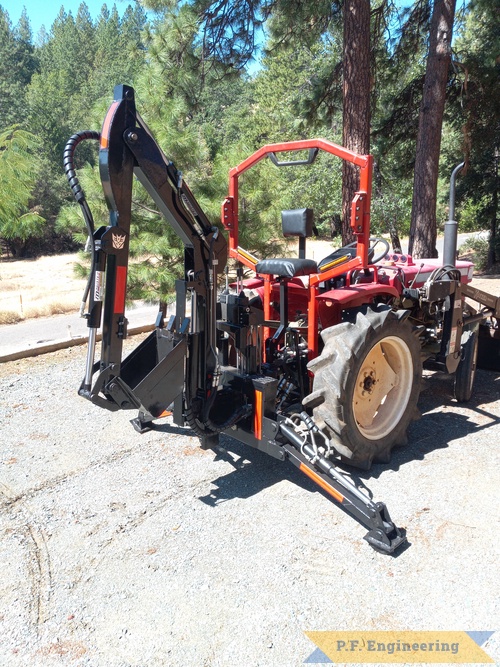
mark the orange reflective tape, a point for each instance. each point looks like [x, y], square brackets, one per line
[120, 288]
[321, 482]
[257, 416]
[104, 142]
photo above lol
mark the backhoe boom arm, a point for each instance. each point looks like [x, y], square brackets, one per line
[127, 148]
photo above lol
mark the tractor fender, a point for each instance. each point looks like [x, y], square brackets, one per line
[332, 303]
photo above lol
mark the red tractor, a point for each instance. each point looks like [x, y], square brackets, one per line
[318, 363]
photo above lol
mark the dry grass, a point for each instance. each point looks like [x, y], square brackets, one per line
[38, 288]
[9, 317]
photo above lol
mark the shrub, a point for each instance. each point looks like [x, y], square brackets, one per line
[479, 247]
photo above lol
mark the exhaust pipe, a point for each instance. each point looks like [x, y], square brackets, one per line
[451, 227]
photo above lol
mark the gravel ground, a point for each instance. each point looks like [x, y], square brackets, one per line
[123, 550]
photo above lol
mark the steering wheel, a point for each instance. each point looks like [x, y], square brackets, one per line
[374, 241]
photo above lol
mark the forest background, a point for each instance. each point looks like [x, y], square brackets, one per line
[210, 104]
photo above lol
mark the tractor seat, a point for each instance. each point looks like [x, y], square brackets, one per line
[286, 268]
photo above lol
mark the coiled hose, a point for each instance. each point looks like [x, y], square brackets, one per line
[209, 428]
[69, 170]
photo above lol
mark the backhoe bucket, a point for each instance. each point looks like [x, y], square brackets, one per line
[154, 371]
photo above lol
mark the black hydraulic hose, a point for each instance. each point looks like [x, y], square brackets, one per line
[69, 165]
[211, 428]
[69, 170]
[208, 427]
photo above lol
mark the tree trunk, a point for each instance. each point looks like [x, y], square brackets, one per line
[395, 240]
[356, 99]
[423, 215]
[335, 226]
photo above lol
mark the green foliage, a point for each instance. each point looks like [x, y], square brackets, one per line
[391, 209]
[269, 109]
[207, 114]
[290, 94]
[479, 246]
[319, 187]
[18, 222]
[80, 62]
[118, 50]
[473, 215]
[156, 253]
[400, 74]
[476, 112]
[17, 65]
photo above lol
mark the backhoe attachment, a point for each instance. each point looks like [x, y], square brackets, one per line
[154, 374]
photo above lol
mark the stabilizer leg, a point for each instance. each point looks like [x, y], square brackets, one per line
[383, 535]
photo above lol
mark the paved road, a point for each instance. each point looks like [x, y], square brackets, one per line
[461, 238]
[36, 332]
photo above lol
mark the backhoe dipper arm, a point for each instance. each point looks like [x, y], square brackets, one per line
[127, 148]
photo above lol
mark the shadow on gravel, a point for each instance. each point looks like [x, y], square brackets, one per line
[444, 419]
[174, 430]
[255, 471]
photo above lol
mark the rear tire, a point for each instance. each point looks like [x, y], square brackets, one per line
[466, 369]
[366, 384]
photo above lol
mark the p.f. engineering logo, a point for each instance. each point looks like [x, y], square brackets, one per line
[399, 647]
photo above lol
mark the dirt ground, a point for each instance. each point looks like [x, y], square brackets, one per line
[128, 550]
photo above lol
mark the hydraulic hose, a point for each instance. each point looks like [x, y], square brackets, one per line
[209, 428]
[69, 170]
[68, 161]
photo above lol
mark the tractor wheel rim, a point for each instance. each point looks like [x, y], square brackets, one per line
[383, 387]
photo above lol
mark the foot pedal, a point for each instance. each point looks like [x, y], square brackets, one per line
[387, 537]
[386, 544]
[141, 426]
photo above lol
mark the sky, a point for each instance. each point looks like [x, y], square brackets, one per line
[44, 12]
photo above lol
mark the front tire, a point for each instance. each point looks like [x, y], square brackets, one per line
[366, 384]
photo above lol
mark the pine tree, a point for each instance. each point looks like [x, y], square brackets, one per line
[17, 65]
[119, 51]
[18, 223]
[475, 118]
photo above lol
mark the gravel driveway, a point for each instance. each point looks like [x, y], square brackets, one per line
[125, 550]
